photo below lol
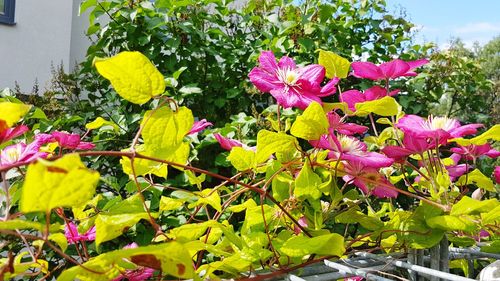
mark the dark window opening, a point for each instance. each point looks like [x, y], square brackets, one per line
[7, 11]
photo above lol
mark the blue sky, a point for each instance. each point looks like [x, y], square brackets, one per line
[440, 20]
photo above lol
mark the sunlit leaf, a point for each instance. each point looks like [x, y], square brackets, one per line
[271, 142]
[208, 196]
[478, 179]
[65, 182]
[312, 124]
[242, 159]
[386, 106]
[111, 226]
[335, 65]
[327, 245]
[11, 112]
[307, 183]
[132, 75]
[492, 134]
[100, 122]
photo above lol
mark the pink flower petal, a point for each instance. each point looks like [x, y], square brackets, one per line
[264, 81]
[367, 70]
[330, 88]
[496, 174]
[394, 69]
[313, 73]
[352, 97]
[226, 143]
[199, 126]
[267, 61]
[286, 63]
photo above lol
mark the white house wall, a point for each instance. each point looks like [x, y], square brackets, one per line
[47, 32]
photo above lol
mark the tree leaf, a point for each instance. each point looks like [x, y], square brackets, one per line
[13, 112]
[170, 204]
[100, 122]
[271, 142]
[307, 183]
[133, 76]
[447, 222]
[208, 196]
[65, 182]
[242, 159]
[109, 227]
[492, 134]
[335, 65]
[312, 124]
[172, 257]
[478, 179]
[386, 106]
[467, 205]
[326, 245]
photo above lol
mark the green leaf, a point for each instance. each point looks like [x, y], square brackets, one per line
[307, 183]
[451, 223]
[492, 217]
[208, 197]
[243, 206]
[60, 240]
[467, 205]
[312, 124]
[354, 216]
[478, 179]
[271, 142]
[100, 122]
[386, 106]
[492, 134]
[13, 112]
[170, 204]
[111, 226]
[22, 224]
[254, 218]
[242, 159]
[335, 65]
[133, 76]
[65, 182]
[172, 258]
[326, 245]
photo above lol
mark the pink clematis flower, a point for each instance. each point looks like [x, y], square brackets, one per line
[290, 85]
[21, 153]
[72, 235]
[138, 274]
[71, 141]
[199, 126]
[437, 128]
[352, 150]
[368, 179]
[352, 97]
[227, 143]
[472, 152]
[388, 70]
[7, 133]
[456, 170]
[412, 144]
[496, 174]
[348, 129]
[303, 222]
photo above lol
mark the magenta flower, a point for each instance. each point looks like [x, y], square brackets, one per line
[227, 143]
[456, 170]
[437, 128]
[352, 97]
[352, 150]
[368, 179]
[472, 152]
[72, 235]
[138, 274]
[199, 126]
[354, 278]
[303, 222]
[21, 153]
[71, 141]
[388, 70]
[412, 144]
[348, 129]
[496, 174]
[290, 85]
[7, 133]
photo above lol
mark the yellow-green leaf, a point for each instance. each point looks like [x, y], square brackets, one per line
[164, 129]
[60, 240]
[492, 134]
[386, 106]
[111, 226]
[100, 122]
[208, 196]
[173, 258]
[467, 205]
[65, 182]
[11, 112]
[451, 223]
[325, 245]
[242, 159]
[312, 124]
[478, 179]
[133, 76]
[271, 142]
[335, 65]
[169, 204]
[307, 183]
